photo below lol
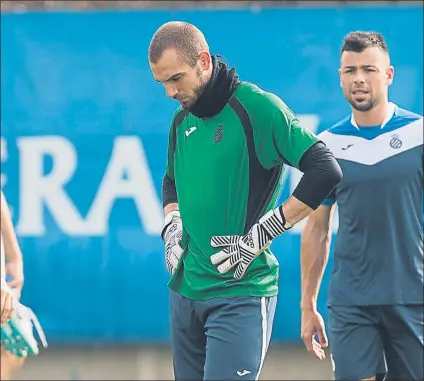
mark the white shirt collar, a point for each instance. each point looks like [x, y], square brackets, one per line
[391, 111]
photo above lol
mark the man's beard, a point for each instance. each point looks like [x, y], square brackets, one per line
[362, 106]
[198, 91]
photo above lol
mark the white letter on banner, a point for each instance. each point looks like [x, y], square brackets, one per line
[127, 176]
[38, 189]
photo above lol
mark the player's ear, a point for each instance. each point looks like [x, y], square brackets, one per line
[390, 73]
[205, 60]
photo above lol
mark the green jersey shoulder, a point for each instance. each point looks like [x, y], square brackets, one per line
[278, 135]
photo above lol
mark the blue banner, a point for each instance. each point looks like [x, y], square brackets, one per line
[84, 140]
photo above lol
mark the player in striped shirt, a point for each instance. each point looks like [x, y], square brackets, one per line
[375, 298]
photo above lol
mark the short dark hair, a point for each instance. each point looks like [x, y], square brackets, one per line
[185, 38]
[359, 41]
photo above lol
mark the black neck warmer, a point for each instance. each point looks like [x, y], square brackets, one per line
[218, 90]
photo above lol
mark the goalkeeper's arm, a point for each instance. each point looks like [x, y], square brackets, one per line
[169, 195]
[321, 173]
[172, 229]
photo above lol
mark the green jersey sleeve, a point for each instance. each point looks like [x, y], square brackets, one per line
[172, 142]
[278, 134]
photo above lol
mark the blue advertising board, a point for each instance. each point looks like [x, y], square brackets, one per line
[84, 137]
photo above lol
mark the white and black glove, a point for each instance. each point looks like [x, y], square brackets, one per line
[240, 251]
[172, 234]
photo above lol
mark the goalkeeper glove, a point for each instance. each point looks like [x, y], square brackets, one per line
[240, 251]
[172, 233]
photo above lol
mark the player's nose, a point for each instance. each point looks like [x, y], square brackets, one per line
[171, 92]
[360, 77]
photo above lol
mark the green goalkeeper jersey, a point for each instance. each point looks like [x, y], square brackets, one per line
[228, 171]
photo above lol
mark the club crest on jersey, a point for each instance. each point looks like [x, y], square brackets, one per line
[219, 134]
[395, 142]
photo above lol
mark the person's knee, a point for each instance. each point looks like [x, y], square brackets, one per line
[9, 364]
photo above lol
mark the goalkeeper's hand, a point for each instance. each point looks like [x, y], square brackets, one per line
[240, 251]
[172, 233]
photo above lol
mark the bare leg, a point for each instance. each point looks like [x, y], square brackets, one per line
[9, 364]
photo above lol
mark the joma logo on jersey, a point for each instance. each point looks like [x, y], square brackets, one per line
[190, 130]
[219, 134]
[395, 142]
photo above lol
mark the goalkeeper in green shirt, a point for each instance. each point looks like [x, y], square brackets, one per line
[229, 144]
